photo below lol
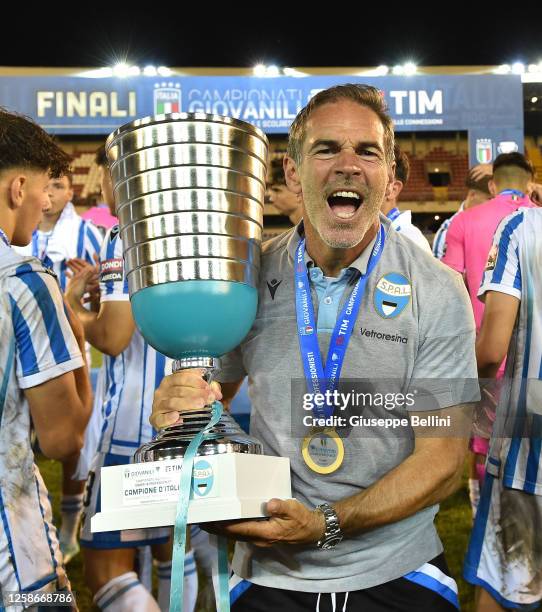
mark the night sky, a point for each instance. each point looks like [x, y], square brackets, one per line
[98, 37]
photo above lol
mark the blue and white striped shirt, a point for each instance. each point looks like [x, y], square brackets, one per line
[515, 267]
[132, 376]
[439, 241]
[37, 335]
[71, 237]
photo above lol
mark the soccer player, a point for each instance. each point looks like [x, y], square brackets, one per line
[62, 236]
[278, 194]
[43, 374]
[133, 370]
[477, 193]
[401, 221]
[505, 553]
[468, 243]
[359, 533]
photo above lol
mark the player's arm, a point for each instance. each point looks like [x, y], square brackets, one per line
[497, 326]
[59, 414]
[51, 370]
[501, 292]
[111, 328]
[428, 476]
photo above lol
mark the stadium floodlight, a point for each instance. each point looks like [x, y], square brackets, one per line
[410, 68]
[272, 71]
[150, 71]
[533, 68]
[259, 70]
[382, 70]
[518, 68]
[534, 100]
[437, 217]
[292, 72]
[163, 71]
[121, 70]
[503, 69]
[398, 69]
[134, 71]
[98, 73]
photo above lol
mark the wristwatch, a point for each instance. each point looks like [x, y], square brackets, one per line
[332, 535]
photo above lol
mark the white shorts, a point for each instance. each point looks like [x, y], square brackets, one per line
[505, 549]
[127, 538]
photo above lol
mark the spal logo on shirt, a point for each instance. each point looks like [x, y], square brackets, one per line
[392, 295]
[202, 478]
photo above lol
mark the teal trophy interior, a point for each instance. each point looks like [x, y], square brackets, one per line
[195, 318]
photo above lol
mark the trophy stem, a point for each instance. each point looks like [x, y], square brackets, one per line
[211, 365]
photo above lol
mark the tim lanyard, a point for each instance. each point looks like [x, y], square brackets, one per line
[315, 374]
[393, 214]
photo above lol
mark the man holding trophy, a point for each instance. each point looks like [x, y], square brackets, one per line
[359, 533]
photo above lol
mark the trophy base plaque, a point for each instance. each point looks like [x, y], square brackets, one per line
[224, 486]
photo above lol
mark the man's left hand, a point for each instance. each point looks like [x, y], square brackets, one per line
[289, 522]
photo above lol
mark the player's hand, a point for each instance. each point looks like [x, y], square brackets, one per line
[184, 390]
[84, 280]
[480, 171]
[290, 522]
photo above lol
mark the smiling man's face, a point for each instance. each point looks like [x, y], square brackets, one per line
[344, 173]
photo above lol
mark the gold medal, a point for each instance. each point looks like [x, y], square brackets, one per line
[323, 451]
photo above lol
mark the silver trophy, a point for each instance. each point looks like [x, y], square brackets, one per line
[189, 189]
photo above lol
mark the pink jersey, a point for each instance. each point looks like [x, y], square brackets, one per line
[100, 216]
[469, 240]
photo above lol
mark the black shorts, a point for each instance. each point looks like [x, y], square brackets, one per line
[417, 592]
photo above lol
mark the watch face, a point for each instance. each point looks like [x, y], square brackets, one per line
[332, 542]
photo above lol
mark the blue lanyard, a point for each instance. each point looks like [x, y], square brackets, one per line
[393, 214]
[515, 192]
[179, 533]
[315, 375]
[4, 237]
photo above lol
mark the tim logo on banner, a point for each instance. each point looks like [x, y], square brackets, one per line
[484, 150]
[167, 98]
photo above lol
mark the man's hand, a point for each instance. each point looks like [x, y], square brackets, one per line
[290, 522]
[184, 390]
[480, 171]
[84, 279]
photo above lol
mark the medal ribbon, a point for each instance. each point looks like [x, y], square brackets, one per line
[179, 534]
[315, 374]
